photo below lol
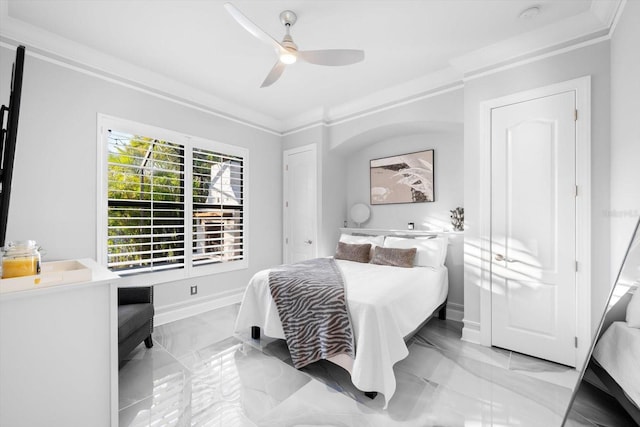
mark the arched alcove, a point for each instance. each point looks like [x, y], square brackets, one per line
[375, 135]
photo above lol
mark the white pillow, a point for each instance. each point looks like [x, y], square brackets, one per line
[432, 251]
[633, 310]
[362, 240]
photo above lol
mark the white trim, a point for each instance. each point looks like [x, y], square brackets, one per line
[605, 11]
[182, 310]
[105, 122]
[285, 198]
[40, 46]
[582, 88]
[305, 127]
[616, 17]
[471, 331]
[446, 88]
[497, 68]
[388, 232]
[148, 90]
[449, 87]
[556, 35]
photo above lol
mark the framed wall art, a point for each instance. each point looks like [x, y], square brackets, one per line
[407, 178]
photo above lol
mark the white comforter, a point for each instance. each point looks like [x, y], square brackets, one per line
[385, 304]
[618, 352]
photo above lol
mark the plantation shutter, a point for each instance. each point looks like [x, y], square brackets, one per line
[218, 207]
[146, 206]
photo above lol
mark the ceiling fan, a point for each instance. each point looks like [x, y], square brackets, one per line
[287, 51]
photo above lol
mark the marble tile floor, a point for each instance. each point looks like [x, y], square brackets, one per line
[199, 373]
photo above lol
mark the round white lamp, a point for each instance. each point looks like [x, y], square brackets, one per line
[359, 213]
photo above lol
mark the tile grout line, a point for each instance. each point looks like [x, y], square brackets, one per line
[161, 349]
[145, 397]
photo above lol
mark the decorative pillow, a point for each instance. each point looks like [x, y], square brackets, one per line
[394, 256]
[355, 252]
[633, 310]
[361, 240]
[431, 251]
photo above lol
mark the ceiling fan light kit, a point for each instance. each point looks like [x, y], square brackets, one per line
[287, 51]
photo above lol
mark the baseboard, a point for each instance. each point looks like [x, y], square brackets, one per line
[455, 311]
[173, 312]
[471, 331]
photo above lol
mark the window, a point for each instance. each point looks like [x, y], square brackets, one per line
[169, 203]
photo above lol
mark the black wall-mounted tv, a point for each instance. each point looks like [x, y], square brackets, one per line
[8, 140]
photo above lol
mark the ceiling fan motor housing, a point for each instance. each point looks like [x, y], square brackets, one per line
[287, 43]
[288, 18]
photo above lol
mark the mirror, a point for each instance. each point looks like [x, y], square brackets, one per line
[608, 392]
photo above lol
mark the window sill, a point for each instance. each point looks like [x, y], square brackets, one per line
[160, 277]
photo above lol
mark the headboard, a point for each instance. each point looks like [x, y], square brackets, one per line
[397, 233]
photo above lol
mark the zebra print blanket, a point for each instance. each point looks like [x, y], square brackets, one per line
[312, 306]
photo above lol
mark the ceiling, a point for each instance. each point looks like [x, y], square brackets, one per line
[194, 51]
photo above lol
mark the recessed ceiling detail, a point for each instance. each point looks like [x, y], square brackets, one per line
[194, 51]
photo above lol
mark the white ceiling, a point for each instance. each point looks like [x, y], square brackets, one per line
[195, 51]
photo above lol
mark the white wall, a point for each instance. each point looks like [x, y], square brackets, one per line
[434, 121]
[54, 184]
[449, 186]
[346, 148]
[591, 60]
[331, 188]
[448, 180]
[625, 131]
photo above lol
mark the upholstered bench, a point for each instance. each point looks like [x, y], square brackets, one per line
[135, 319]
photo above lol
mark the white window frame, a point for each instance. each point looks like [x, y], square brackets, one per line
[104, 123]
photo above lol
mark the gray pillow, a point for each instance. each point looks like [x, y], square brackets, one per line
[353, 252]
[394, 256]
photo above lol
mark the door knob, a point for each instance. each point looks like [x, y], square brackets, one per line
[500, 257]
[308, 242]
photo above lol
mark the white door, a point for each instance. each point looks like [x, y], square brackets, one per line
[533, 211]
[300, 204]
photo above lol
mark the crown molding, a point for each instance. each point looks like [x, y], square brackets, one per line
[606, 10]
[616, 17]
[69, 54]
[391, 97]
[592, 23]
[591, 26]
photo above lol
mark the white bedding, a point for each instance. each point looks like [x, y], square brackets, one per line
[618, 352]
[385, 304]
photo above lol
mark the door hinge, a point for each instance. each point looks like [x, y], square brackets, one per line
[286, 240]
[286, 168]
[575, 115]
[576, 266]
[576, 191]
[286, 204]
[575, 342]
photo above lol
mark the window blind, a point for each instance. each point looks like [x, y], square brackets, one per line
[146, 204]
[218, 207]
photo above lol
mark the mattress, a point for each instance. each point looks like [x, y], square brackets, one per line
[385, 304]
[618, 352]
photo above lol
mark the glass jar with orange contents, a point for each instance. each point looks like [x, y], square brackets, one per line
[21, 258]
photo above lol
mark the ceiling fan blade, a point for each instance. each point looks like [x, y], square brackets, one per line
[274, 74]
[252, 28]
[332, 56]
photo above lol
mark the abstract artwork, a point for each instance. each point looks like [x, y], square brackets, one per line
[407, 178]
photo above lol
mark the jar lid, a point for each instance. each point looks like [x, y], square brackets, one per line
[21, 244]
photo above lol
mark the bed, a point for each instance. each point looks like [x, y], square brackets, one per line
[386, 304]
[616, 361]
